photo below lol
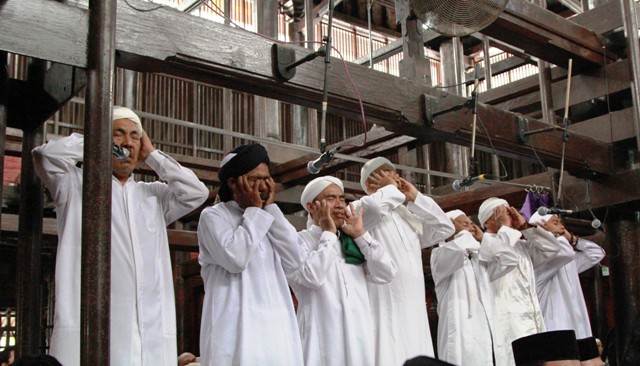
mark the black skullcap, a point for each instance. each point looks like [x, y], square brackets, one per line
[588, 349]
[246, 158]
[548, 346]
[425, 361]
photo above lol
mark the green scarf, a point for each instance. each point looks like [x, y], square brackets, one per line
[350, 250]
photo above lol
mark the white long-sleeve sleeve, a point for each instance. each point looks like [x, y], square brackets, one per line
[284, 238]
[320, 252]
[436, 226]
[497, 251]
[588, 254]
[228, 245]
[379, 267]
[449, 257]
[379, 205]
[541, 245]
[54, 160]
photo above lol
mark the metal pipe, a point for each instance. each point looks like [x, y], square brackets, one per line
[4, 85]
[369, 6]
[96, 192]
[30, 235]
[325, 94]
[630, 23]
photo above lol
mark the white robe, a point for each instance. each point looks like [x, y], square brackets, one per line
[401, 326]
[143, 320]
[516, 308]
[247, 316]
[465, 299]
[559, 289]
[334, 314]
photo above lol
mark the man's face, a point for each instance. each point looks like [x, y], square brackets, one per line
[554, 225]
[334, 196]
[125, 134]
[258, 175]
[463, 222]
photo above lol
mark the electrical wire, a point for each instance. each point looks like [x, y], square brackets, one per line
[141, 9]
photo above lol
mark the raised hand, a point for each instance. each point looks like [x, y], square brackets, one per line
[272, 191]
[517, 220]
[353, 225]
[502, 217]
[146, 147]
[476, 232]
[321, 213]
[409, 190]
[245, 195]
[380, 179]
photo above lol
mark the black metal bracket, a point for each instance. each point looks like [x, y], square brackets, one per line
[430, 108]
[283, 60]
[523, 132]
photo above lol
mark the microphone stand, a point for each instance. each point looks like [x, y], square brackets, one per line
[325, 90]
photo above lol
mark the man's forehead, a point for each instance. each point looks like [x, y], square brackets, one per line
[125, 123]
[385, 167]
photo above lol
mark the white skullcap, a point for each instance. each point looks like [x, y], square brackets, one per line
[316, 186]
[486, 208]
[537, 219]
[454, 214]
[126, 113]
[371, 166]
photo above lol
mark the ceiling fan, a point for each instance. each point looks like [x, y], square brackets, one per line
[456, 18]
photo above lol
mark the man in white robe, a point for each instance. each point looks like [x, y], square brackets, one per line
[143, 320]
[465, 297]
[340, 258]
[400, 321]
[246, 248]
[558, 281]
[516, 308]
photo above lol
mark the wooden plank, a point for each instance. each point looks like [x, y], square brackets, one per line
[218, 54]
[601, 19]
[608, 128]
[57, 32]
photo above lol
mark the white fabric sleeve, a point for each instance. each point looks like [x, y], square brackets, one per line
[497, 252]
[183, 191]
[588, 254]
[449, 256]
[379, 267]
[284, 238]
[54, 161]
[436, 226]
[229, 246]
[317, 262]
[379, 204]
[540, 244]
[547, 269]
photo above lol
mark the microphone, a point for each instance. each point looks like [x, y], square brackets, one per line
[314, 166]
[120, 153]
[596, 223]
[459, 184]
[553, 211]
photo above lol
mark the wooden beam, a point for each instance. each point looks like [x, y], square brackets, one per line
[548, 36]
[218, 54]
[608, 128]
[605, 191]
[497, 68]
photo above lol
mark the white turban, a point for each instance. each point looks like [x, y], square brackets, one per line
[454, 214]
[315, 187]
[537, 219]
[487, 207]
[371, 166]
[126, 113]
